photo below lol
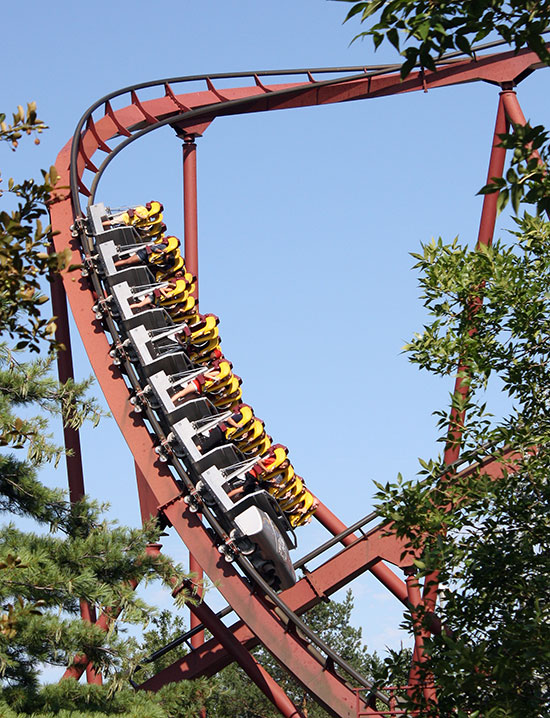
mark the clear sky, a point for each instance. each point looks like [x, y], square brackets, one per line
[306, 221]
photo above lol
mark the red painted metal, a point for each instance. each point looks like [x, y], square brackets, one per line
[498, 68]
[515, 115]
[73, 458]
[513, 109]
[196, 570]
[485, 236]
[159, 494]
[416, 679]
[316, 586]
[328, 688]
[455, 431]
[190, 209]
[269, 687]
[192, 265]
[496, 168]
[65, 371]
[147, 503]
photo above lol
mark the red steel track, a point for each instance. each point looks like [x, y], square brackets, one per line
[103, 132]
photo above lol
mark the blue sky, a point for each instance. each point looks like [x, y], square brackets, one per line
[306, 221]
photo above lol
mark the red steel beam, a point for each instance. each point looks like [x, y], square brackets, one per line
[269, 687]
[190, 209]
[461, 388]
[497, 68]
[316, 586]
[65, 370]
[485, 238]
[513, 109]
[73, 457]
[385, 575]
[192, 265]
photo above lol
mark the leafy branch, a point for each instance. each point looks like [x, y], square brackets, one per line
[424, 30]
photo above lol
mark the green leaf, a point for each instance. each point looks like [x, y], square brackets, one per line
[407, 67]
[393, 37]
[502, 200]
[516, 195]
[463, 44]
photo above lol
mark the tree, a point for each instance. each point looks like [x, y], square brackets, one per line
[73, 554]
[487, 540]
[184, 699]
[484, 541]
[24, 244]
[424, 30]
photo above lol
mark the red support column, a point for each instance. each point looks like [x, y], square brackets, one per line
[65, 371]
[496, 168]
[71, 436]
[416, 679]
[190, 208]
[515, 115]
[513, 110]
[192, 265]
[485, 237]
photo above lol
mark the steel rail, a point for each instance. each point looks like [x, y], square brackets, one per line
[306, 630]
[337, 539]
[182, 639]
[358, 525]
[243, 563]
[184, 79]
[359, 72]
[163, 495]
[297, 565]
[222, 108]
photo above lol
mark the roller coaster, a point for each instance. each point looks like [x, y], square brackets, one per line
[205, 465]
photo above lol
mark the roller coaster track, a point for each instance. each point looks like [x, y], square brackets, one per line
[265, 618]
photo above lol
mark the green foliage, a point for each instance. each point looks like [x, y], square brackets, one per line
[424, 30]
[483, 540]
[486, 541]
[73, 554]
[82, 557]
[180, 700]
[24, 244]
[527, 178]
[23, 122]
[68, 699]
[31, 384]
[164, 628]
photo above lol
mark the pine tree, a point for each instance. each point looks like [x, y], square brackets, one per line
[72, 554]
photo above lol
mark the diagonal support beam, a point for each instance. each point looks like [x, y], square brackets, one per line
[257, 674]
